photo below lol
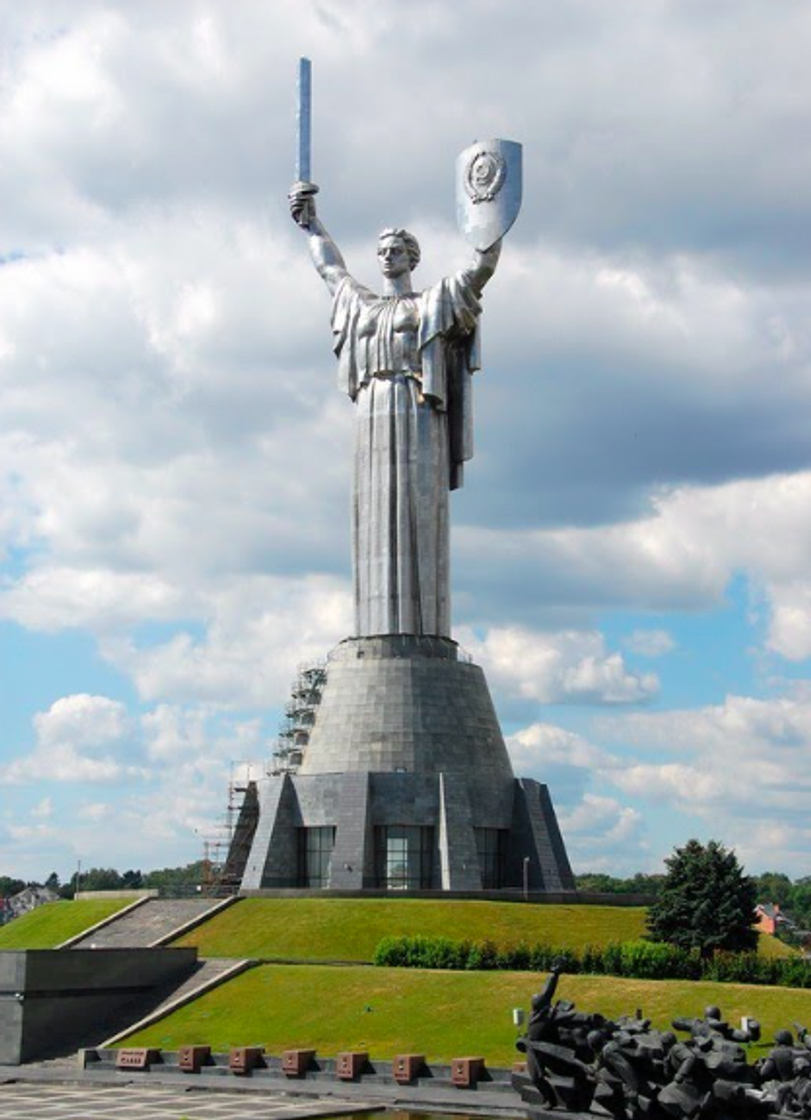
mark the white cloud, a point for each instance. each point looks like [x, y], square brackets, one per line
[55, 598]
[188, 737]
[566, 666]
[746, 725]
[737, 771]
[790, 622]
[741, 767]
[601, 818]
[43, 809]
[88, 722]
[683, 555]
[96, 811]
[260, 630]
[27, 833]
[602, 834]
[649, 643]
[541, 745]
[80, 738]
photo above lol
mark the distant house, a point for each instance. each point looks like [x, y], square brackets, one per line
[28, 899]
[770, 918]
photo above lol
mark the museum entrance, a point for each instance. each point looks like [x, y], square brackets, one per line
[404, 857]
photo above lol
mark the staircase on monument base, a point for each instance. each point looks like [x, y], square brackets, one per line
[154, 922]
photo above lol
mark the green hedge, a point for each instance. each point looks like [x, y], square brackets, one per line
[640, 960]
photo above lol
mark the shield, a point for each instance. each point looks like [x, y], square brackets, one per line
[488, 190]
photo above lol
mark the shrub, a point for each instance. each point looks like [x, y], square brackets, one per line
[641, 960]
[482, 955]
[647, 960]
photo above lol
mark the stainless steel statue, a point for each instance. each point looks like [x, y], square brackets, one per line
[405, 359]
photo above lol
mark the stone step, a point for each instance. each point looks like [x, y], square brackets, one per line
[149, 923]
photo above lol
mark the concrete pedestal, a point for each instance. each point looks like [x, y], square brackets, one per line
[406, 784]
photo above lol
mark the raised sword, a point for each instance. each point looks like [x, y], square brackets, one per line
[304, 122]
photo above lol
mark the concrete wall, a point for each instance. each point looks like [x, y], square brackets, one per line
[51, 1001]
[12, 986]
[137, 893]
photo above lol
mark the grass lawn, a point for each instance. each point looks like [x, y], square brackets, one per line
[349, 929]
[441, 1014]
[51, 924]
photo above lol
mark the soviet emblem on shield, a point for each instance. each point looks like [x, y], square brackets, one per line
[484, 177]
[488, 190]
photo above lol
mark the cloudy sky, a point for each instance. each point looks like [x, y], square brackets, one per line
[632, 549]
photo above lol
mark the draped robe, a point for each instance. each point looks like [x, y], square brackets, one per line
[406, 362]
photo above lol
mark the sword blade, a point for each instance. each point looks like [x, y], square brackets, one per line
[303, 170]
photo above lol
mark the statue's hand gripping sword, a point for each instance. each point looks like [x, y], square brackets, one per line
[303, 189]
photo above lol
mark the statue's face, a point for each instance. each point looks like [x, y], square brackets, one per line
[393, 256]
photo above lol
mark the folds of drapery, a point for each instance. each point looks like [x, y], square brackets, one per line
[400, 533]
[448, 345]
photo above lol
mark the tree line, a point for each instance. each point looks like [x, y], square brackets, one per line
[792, 896]
[172, 880]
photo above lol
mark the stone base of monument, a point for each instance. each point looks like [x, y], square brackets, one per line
[406, 784]
[52, 1001]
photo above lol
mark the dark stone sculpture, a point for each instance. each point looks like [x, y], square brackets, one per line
[627, 1069]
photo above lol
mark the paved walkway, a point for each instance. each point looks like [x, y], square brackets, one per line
[128, 1102]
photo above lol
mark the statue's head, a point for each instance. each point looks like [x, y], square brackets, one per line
[783, 1038]
[398, 252]
[712, 1012]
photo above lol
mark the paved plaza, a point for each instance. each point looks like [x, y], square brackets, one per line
[128, 1102]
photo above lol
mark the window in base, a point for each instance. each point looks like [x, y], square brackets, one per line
[491, 848]
[315, 856]
[404, 857]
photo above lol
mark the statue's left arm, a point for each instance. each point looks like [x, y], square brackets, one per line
[482, 267]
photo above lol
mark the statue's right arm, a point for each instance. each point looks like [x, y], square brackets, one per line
[325, 253]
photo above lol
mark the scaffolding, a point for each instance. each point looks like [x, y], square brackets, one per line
[299, 717]
[225, 853]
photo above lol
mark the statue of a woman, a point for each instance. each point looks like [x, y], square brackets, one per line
[405, 359]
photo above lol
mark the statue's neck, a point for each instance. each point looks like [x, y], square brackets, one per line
[397, 285]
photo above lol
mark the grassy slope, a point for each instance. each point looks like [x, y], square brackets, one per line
[771, 947]
[53, 923]
[349, 929]
[441, 1014]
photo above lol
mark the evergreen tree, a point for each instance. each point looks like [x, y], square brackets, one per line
[706, 902]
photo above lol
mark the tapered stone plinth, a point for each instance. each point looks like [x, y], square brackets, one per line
[412, 705]
[406, 784]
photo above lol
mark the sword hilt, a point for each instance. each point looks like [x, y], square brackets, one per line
[302, 205]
